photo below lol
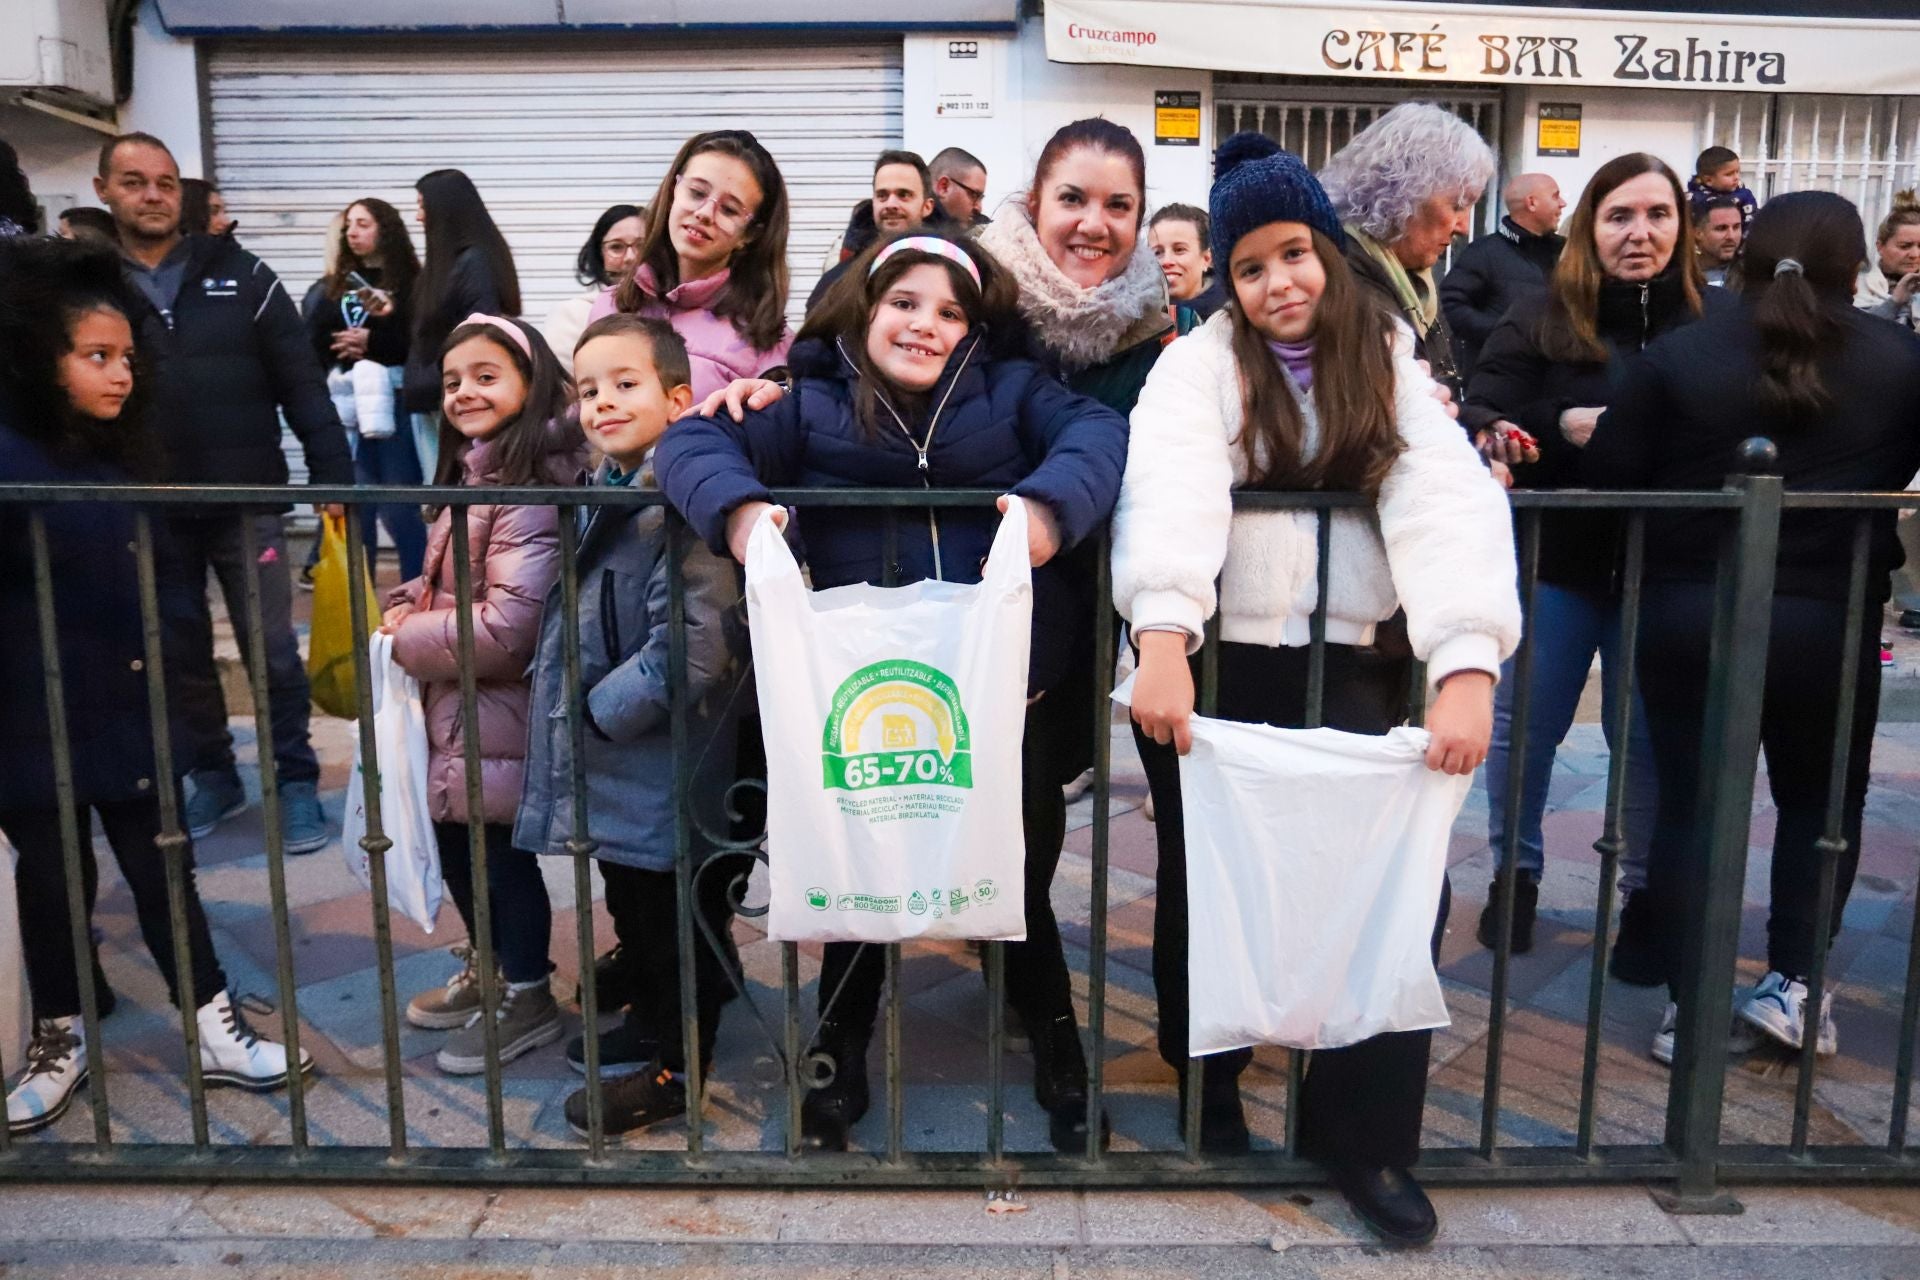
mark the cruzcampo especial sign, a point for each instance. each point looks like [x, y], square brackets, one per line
[896, 723]
[1497, 44]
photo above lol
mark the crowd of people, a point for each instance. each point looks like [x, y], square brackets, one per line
[1109, 368]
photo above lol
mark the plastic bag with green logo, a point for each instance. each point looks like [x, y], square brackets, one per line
[893, 720]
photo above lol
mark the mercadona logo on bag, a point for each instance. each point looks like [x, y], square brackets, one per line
[898, 726]
[906, 824]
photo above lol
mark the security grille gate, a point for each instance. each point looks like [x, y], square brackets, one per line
[551, 132]
[1865, 148]
[1316, 122]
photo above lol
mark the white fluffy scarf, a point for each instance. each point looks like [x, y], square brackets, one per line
[1080, 327]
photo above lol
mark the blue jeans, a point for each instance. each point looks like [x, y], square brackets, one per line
[391, 460]
[1568, 627]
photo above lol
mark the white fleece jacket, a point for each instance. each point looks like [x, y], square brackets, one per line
[1439, 540]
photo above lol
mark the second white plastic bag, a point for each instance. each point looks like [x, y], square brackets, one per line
[893, 720]
[400, 742]
[1314, 865]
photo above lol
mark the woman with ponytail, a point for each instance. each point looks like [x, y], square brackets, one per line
[1838, 392]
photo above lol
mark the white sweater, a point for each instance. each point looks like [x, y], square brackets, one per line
[1439, 540]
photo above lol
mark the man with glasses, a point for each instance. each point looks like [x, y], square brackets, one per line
[903, 200]
[960, 185]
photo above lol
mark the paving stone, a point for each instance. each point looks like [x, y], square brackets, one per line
[655, 1214]
[932, 1218]
[1809, 1215]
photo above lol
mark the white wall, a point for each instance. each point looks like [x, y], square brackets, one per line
[1613, 122]
[1034, 97]
[166, 92]
[58, 158]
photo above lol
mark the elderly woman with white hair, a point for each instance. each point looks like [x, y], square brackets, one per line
[1404, 187]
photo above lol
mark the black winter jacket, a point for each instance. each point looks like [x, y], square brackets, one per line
[470, 288]
[997, 422]
[1680, 412]
[230, 358]
[1518, 381]
[1487, 278]
[1432, 343]
[96, 604]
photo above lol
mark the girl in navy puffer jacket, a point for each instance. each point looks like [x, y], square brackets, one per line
[910, 374]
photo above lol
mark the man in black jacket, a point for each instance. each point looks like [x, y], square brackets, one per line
[1496, 271]
[902, 201]
[226, 355]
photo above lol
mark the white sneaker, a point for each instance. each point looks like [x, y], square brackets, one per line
[1778, 1007]
[1741, 1038]
[1146, 808]
[56, 1068]
[1078, 787]
[232, 1052]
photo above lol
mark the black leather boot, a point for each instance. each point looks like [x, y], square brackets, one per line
[1526, 896]
[1223, 1118]
[613, 982]
[1060, 1084]
[1636, 958]
[1389, 1201]
[827, 1113]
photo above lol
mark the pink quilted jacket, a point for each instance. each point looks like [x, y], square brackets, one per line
[515, 554]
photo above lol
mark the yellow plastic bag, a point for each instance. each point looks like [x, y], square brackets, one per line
[330, 646]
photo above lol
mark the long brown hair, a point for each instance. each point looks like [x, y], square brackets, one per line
[1352, 392]
[399, 266]
[1796, 309]
[844, 314]
[1570, 330]
[755, 299]
[457, 220]
[524, 443]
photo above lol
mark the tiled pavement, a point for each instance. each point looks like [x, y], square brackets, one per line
[944, 1038]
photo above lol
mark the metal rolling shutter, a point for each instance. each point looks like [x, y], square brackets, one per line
[552, 131]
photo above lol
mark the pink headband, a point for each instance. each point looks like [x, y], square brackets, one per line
[935, 245]
[508, 327]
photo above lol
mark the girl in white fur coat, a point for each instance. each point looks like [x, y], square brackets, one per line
[1302, 384]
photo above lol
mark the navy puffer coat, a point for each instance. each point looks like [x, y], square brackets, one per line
[102, 647]
[994, 421]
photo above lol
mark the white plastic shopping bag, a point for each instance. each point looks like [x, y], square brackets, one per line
[16, 1006]
[400, 741]
[1314, 865]
[893, 720]
[373, 399]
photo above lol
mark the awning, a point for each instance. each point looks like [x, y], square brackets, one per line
[337, 17]
[1786, 50]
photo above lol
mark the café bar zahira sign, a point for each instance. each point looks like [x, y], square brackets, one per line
[1494, 44]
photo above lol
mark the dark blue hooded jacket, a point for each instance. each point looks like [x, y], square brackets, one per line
[993, 421]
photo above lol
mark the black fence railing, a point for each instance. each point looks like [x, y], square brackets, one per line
[1691, 1153]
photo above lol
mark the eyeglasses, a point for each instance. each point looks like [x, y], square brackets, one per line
[726, 212]
[979, 195]
[618, 248]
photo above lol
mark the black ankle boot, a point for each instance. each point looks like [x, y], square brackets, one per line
[1060, 1084]
[1636, 957]
[1223, 1118]
[613, 982]
[1526, 896]
[1389, 1201]
[827, 1113]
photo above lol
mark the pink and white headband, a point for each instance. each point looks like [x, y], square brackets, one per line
[935, 245]
[507, 327]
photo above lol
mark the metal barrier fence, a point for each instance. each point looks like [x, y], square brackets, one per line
[1692, 1156]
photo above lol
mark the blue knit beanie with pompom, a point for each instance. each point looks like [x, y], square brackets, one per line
[1257, 181]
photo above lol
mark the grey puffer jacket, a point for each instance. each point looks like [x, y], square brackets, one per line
[624, 639]
[515, 556]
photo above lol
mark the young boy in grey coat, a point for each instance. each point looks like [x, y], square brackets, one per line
[632, 379]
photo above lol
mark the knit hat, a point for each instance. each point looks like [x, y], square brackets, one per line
[1257, 181]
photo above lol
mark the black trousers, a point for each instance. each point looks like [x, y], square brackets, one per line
[40, 888]
[1797, 723]
[517, 903]
[1362, 1104]
[646, 913]
[853, 973]
[194, 545]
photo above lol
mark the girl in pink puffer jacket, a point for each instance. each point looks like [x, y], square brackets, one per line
[504, 400]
